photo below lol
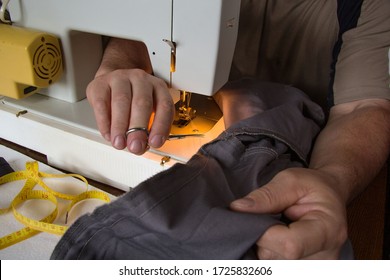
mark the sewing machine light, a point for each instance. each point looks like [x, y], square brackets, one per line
[30, 60]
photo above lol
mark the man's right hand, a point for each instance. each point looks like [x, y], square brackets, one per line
[127, 98]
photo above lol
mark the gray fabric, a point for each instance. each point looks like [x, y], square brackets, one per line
[183, 213]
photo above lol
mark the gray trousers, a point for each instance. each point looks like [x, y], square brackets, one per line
[183, 213]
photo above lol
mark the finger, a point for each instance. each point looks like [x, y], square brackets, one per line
[303, 239]
[164, 114]
[120, 107]
[270, 198]
[98, 94]
[141, 110]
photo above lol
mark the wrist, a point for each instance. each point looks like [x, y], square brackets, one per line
[124, 54]
[342, 181]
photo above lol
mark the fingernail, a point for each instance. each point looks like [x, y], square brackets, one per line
[119, 142]
[157, 141]
[136, 147]
[243, 203]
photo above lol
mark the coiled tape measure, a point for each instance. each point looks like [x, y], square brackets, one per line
[33, 177]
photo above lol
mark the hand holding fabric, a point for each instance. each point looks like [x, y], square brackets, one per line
[318, 229]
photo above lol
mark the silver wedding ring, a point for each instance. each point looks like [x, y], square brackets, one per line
[134, 129]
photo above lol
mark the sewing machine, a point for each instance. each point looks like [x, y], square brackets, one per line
[190, 44]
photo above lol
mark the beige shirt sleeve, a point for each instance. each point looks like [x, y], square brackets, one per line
[362, 69]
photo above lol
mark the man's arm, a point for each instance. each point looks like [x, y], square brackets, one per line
[124, 54]
[347, 155]
[354, 145]
[124, 94]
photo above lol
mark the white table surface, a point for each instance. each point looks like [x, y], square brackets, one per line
[40, 246]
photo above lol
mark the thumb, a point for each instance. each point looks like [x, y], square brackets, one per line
[271, 198]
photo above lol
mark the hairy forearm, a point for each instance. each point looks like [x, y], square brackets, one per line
[353, 146]
[124, 54]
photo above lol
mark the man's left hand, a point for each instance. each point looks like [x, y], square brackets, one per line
[305, 196]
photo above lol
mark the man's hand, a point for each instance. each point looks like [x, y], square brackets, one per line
[127, 98]
[315, 199]
[305, 196]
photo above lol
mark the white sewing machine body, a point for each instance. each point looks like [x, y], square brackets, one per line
[59, 121]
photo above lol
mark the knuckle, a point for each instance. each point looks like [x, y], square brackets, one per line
[121, 97]
[267, 195]
[124, 75]
[89, 89]
[143, 103]
[292, 250]
[267, 254]
[342, 235]
[289, 250]
[289, 175]
[138, 74]
[100, 106]
[264, 254]
[160, 83]
[93, 88]
[167, 105]
[98, 102]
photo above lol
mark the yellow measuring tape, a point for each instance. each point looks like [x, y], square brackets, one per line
[33, 177]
